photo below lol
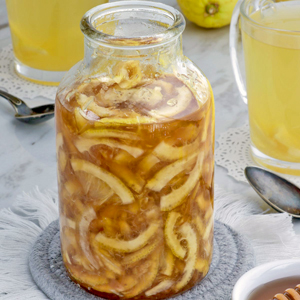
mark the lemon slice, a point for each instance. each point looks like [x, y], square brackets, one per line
[171, 238]
[89, 103]
[127, 283]
[141, 254]
[202, 265]
[127, 74]
[109, 133]
[85, 145]
[199, 225]
[162, 177]
[168, 262]
[111, 180]
[133, 180]
[87, 217]
[168, 152]
[138, 120]
[131, 245]
[177, 105]
[208, 229]
[108, 260]
[59, 140]
[191, 238]
[147, 163]
[177, 197]
[148, 279]
[87, 278]
[162, 286]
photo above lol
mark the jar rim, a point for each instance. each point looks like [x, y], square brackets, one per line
[171, 32]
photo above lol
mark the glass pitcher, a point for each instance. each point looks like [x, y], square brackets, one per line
[271, 43]
[135, 148]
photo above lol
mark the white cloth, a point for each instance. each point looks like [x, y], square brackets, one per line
[272, 235]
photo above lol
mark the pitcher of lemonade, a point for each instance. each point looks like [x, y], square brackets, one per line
[271, 42]
[135, 148]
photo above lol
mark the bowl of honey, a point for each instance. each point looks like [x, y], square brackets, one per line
[278, 280]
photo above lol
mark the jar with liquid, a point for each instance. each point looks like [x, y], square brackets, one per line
[135, 148]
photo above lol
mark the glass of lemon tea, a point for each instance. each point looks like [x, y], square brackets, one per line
[135, 149]
[46, 37]
[271, 43]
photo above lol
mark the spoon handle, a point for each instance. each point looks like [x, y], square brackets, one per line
[14, 101]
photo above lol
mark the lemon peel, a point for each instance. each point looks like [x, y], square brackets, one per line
[87, 217]
[170, 236]
[162, 286]
[111, 180]
[148, 279]
[190, 236]
[83, 145]
[168, 152]
[162, 177]
[109, 133]
[130, 245]
[178, 196]
[168, 262]
[140, 254]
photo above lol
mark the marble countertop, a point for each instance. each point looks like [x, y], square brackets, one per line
[27, 152]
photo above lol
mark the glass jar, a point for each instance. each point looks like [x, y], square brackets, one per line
[135, 148]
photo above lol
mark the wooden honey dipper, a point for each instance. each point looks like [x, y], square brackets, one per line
[289, 294]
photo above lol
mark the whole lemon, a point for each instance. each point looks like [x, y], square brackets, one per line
[208, 13]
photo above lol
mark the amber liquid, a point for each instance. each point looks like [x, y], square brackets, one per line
[269, 290]
[96, 160]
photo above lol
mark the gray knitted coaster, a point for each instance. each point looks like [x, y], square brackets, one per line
[232, 257]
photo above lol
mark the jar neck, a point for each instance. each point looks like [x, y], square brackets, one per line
[163, 57]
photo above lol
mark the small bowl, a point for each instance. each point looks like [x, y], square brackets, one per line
[262, 274]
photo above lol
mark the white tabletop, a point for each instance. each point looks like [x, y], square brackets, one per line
[27, 152]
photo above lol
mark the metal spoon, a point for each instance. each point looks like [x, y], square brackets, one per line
[26, 114]
[278, 192]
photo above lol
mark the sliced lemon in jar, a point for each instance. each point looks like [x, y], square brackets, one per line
[168, 262]
[147, 163]
[86, 144]
[140, 120]
[111, 180]
[130, 245]
[87, 217]
[109, 133]
[178, 196]
[161, 287]
[171, 237]
[88, 278]
[162, 177]
[147, 280]
[167, 152]
[190, 236]
[127, 74]
[141, 254]
[175, 105]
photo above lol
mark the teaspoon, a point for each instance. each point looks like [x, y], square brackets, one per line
[278, 192]
[26, 114]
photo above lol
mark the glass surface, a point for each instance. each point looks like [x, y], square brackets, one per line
[271, 43]
[46, 35]
[135, 146]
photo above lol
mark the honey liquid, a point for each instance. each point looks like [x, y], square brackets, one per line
[269, 290]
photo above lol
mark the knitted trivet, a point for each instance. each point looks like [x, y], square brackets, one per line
[232, 257]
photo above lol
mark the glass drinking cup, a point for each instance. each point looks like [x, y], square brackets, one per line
[271, 43]
[135, 149]
[46, 37]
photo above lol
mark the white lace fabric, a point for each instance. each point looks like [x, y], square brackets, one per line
[234, 154]
[16, 85]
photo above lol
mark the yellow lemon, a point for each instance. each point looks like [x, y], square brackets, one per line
[208, 13]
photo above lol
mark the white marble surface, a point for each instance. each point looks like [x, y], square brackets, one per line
[27, 152]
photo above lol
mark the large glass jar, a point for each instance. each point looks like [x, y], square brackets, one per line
[135, 147]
